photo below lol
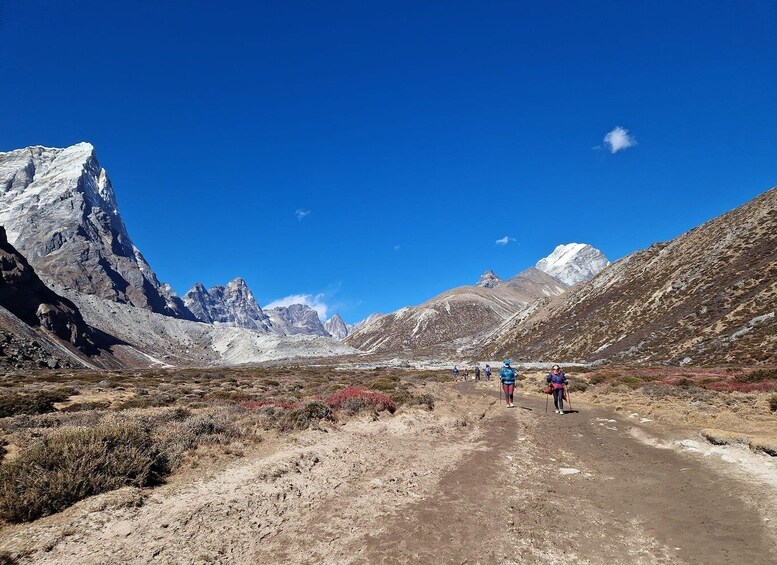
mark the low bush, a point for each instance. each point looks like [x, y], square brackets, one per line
[183, 436]
[367, 398]
[382, 384]
[306, 416]
[40, 402]
[578, 386]
[773, 403]
[757, 376]
[146, 402]
[598, 379]
[425, 400]
[71, 464]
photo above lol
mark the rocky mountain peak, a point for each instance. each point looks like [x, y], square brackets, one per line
[60, 212]
[488, 279]
[573, 263]
[233, 305]
[296, 319]
[336, 327]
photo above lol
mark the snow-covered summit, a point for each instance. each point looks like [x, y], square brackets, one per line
[573, 263]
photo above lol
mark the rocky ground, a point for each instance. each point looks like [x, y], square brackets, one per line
[469, 482]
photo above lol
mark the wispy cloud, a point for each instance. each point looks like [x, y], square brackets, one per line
[301, 214]
[505, 240]
[314, 301]
[619, 139]
[396, 248]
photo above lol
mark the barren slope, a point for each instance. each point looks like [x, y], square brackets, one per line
[458, 314]
[708, 296]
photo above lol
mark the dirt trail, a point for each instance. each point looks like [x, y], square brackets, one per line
[471, 482]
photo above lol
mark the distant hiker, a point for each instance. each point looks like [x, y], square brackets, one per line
[558, 381]
[507, 376]
[488, 372]
[466, 375]
[455, 374]
[477, 372]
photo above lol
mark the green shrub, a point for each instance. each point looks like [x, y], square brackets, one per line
[382, 384]
[302, 418]
[71, 464]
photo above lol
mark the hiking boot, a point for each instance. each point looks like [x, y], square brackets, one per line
[561, 412]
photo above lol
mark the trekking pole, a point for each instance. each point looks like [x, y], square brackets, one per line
[569, 399]
[546, 402]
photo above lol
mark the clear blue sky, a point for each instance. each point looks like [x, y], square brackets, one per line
[416, 134]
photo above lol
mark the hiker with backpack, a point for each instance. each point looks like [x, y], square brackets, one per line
[455, 374]
[557, 381]
[477, 372]
[507, 376]
[488, 372]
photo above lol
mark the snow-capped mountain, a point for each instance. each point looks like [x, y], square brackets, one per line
[60, 212]
[336, 327]
[573, 263]
[232, 305]
[296, 319]
[488, 279]
[365, 322]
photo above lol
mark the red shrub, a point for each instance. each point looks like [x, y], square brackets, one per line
[735, 386]
[356, 396]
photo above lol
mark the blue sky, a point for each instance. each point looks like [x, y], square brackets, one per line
[372, 153]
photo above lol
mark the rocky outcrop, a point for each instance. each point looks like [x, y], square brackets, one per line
[708, 296]
[573, 263]
[489, 280]
[60, 212]
[232, 305]
[296, 319]
[336, 327]
[24, 295]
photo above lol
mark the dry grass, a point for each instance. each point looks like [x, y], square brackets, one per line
[60, 431]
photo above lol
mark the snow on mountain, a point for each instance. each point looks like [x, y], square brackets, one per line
[488, 279]
[296, 319]
[336, 327]
[365, 322]
[573, 263]
[60, 212]
[232, 305]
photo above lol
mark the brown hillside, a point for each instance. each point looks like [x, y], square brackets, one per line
[708, 296]
[454, 317]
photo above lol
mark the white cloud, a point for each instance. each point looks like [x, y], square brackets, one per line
[396, 248]
[505, 240]
[619, 139]
[301, 214]
[316, 302]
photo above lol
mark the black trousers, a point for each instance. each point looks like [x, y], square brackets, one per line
[558, 398]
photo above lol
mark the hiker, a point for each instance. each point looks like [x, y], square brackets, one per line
[477, 372]
[466, 375]
[455, 374]
[558, 381]
[488, 372]
[507, 376]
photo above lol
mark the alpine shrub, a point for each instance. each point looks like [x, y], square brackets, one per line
[309, 414]
[71, 464]
[31, 403]
[773, 403]
[356, 395]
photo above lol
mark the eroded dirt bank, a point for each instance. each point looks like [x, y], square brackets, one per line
[470, 482]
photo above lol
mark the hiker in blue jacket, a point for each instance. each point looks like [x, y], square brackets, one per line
[507, 376]
[558, 381]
